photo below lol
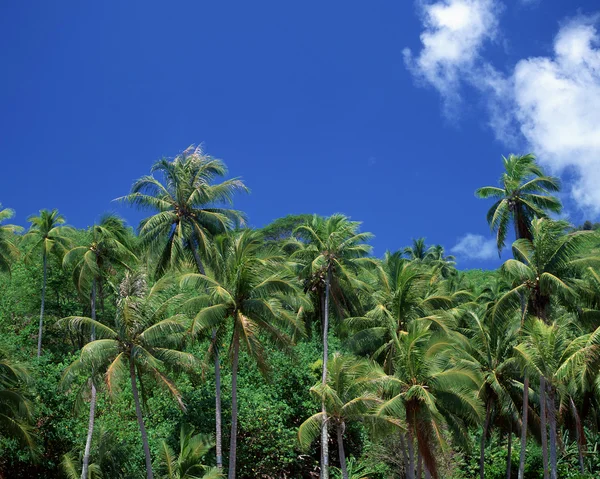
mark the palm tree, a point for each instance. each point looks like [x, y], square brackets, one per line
[488, 348]
[8, 251]
[186, 218]
[524, 194]
[49, 237]
[146, 338]
[108, 247]
[188, 463]
[402, 293]
[244, 283]
[329, 252]
[418, 250]
[427, 393]
[346, 399]
[543, 273]
[15, 408]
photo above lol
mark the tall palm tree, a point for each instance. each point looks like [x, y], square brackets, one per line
[15, 408]
[543, 274]
[108, 247]
[50, 237]
[427, 392]
[8, 251]
[418, 250]
[246, 284]
[188, 463]
[524, 193]
[347, 398]
[187, 204]
[329, 252]
[146, 339]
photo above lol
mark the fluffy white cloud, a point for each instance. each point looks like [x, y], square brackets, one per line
[454, 34]
[476, 247]
[557, 108]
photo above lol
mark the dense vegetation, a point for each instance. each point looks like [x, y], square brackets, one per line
[197, 347]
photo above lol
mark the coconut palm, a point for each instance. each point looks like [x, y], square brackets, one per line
[402, 293]
[418, 250]
[524, 194]
[246, 284]
[188, 463]
[15, 408]
[543, 275]
[49, 236]
[329, 252]
[488, 348]
[346, 397]
[145, 340]
[8, 251]
[427, 393]
[91, 264]
[188, 212]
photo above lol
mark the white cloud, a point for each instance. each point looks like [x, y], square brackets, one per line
[475, 247]
[454, 34]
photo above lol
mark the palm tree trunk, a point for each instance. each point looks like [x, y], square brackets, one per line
[419, 464]
[342, 453]
[543, 427]
[484, 432]
[45, 267]
[524, 426]
[218, 408]
[552, 421]
[410, 471]
[218, 411]
[427, 473]
[579, 435]
[509, 453]
[324, 432]
[404, 454]
[138, 412]
[234, 406]
[88, 441]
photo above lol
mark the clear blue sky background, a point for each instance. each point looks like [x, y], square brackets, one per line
[310, 102]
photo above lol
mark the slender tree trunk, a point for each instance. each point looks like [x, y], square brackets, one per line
[419, 464]
[543, 427]
[342, 453]
[484, 432]
[578, 432]
[410, 471]
[509, 456]
[234, 406]
[218, 411]
[427, 473]
[524, 426]
[552, 421]
[140, 418]
[88, 441]
[45, 267]
[324, 431]
[404, 454]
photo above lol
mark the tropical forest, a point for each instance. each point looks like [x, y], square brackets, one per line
[193, 346]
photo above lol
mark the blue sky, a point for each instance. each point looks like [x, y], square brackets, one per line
[392, 112]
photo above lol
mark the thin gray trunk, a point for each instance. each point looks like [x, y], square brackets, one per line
[419, 464]
[427, 473]
[524, 426]
[543, 427]
[218, 411]
[404, 453]
[578, 432]
[410, 471]
[234, 406]
[342, 453]
[509, 456]
[324, 431]
[138, 412]
[486, 425]
[45, 267]
[88, 441]
[552, 421]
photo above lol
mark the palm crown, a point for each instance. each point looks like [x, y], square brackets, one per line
[8, 250]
